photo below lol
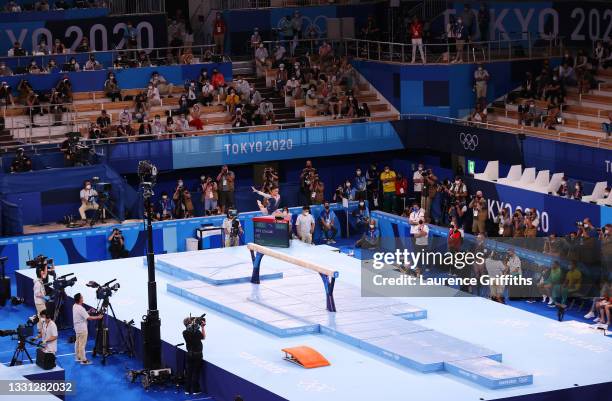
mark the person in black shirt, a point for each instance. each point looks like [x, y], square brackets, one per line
[21, 163]
[193, 336]
[117, 245]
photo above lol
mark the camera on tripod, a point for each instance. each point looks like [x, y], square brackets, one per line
[104, 291]
[147, 173]
[22, 331]
[62, 282]
[75, 151]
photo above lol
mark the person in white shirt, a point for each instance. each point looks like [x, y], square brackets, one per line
[421, 235]
[40, 296]
[153, 97]
[416, 215]
[79, 319]
[48, 334]
[157, 128]
[512, 266]
[305, 225]
[417, 178]
[88, 199]
[481, 78]
[125, 117]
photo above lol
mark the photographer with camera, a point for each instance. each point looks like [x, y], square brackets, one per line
[88, 197]
[225, 181]
[117, 244]
[80, 317]
[21, 163]
[306, 178]
[166, 207]
[232, 229]
[182, 201]
[531, 223]
[479, 213]
[430, 188]
[194, 334]
[209, 195]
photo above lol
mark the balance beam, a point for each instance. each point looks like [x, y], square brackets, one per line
[327, 275]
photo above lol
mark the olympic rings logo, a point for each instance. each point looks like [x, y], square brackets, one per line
[469, 141]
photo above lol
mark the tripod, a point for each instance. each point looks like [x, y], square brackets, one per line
[102, 211]
[102, 345]
[59, 300]
[17, 358]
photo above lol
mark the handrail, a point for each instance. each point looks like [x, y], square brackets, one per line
[259, 4]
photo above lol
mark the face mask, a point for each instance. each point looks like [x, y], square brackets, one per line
[305, 213]
[577, 187]
[348, 184]
[420, 168]
[180, 183]
[386, 170]
[371, 227]
[88, 186]
[358, 173]
[563, 182]
[457, 182]
[202, 178]
[164, 197]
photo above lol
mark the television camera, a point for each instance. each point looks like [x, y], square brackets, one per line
[104, 291]
[76, 153]
[22, 334]
[147, 173]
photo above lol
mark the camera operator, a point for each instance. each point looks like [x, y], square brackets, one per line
[430, 188]
[270, 179]
[49, 332]
[232, 229]
[21, 163]
[306, 178]
[531, 222]
[79, 318]
[182, 201]
[458, 190]
[193, 334]
[588, 236]
[40, 295]
[117, 244]
[88, 197]
[479, 213]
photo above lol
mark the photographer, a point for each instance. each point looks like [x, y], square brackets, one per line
[166, 207]
[21, 163]
[182, 201]
[232, 229]
[88, 197]
[79, 319]
[531, 222]
[479, 213]
[430, 188]
[225, 182]
[209, 195]
[117, 244]
[193, 334]
[306, 178]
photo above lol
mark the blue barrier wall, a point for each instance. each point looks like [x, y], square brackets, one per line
[86, 245]
[74, 13]
[442, 90]
[128, 78]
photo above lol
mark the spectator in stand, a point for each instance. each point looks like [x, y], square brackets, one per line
[153, 98]
[305, 225]
[256, 39]
[12, 7]
[388, 178]
[480, 214]
[143, 59]
[468, 17]
[72, 66]
[83, 47]
[416, 37]
[145, 131]
[218, 82]
[163, 86]
[335, 106]
[518, 223]
[34, 68]
[5, 94]
[42, 49]
[262, 60]
[232, 101]
[479, 115]
[64, 87]
[578, 192]
[553, 92]
[92, 64]
[58, 47]
[52, 65]
[563, 190]
[553, 117]
[296, 26]
[461, 36]
[166, 207]
[157, 128]
[16, 50]
[5, 71]
[481, 78]
[104, 122]
[207, 95]
[192, 92]
[450, 32]
[239, 119]
[607, 126]
[266, 110]
[504, 224]
[484, 17]
[328, 224]
[325, 52]
[130, 35]
[528, 87]
[219, 29]
[370, 31]
[599, 54]
[181, 124]
[567, 75]
[528, 113]
[111, 88]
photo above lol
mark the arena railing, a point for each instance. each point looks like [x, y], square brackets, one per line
[154, 53]
[435, 53]
[123, 7]
[246, 4]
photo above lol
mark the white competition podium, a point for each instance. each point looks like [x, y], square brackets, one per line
[514, 175]
[598, 192]
[491, 172]
[541, 182]
[555, 183]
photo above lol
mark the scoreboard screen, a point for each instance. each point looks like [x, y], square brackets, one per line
[271, 232]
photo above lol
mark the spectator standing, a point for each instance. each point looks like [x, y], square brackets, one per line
[210, 196]
[481, 78]
[306, 180]
[327, 220]
[166, 207]
[226, 182]
[388, 178]
[417, 179]
[401, 190]
[305, 225]
[360, 186]
[461, 36]
[416, 37]
[219, 28]
[484, 18]
[373, 184]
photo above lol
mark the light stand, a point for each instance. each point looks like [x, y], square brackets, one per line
[151, 324]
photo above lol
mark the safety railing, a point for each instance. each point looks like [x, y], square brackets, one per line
[554, 135]
[157, 54]
[123, 7]
[246, 4]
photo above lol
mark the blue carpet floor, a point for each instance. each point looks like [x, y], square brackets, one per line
[93, 382]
